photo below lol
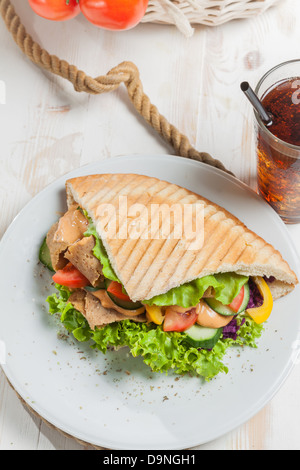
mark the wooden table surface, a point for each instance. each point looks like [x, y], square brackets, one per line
[47, 129]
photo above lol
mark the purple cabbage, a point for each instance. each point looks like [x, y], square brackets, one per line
[269, 279]
[256, 299]
[230, 330]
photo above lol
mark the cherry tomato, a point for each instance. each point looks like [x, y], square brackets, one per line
[56, 10]
[175, 321]
[115, 288]
[69, 276]
[114, 14]
[238, 300]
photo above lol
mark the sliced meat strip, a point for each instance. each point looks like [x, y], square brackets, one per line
[80, 254]
[57, 249]
[77, 299]
[71, 226]
[108, 303]
[69, 229]
[99, 316]
[95, 314]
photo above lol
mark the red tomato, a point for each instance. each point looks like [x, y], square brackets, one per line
[114, 14]
[175, 321]
[115, 288]
[57, 10]
[69, 276]
[238, 300]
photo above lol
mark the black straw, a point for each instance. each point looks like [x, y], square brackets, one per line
[256, 103]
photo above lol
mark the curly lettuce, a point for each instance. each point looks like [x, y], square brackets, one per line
[161, 351]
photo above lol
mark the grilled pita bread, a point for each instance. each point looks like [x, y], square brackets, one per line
[150, 267]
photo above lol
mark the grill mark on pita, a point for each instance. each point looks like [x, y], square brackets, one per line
[120, 185]
[195, 254]
[230, 248]
[124, 246]
[134, 242]
[127, 184]
[267, 246]
[165, 267]
[158, 267]
[92, 190]
[256, 246]
[235, 261]
[230, 223]
[184, 259]
[227, 226]
[246, 247]
[129, 188]
[190, 265]
[161, 247]
[220, 250]
[156, 248]
[107, 197]
[140, 196]
[146, 243]
[92, 201]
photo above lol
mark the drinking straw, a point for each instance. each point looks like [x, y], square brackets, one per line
[256, 103]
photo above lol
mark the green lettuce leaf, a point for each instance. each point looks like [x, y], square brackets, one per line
[161, 351]
[226, 286]
[72, 320]
[100, 252]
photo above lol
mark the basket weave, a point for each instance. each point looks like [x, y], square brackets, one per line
[185, 13]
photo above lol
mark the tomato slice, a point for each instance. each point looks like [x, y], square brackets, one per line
[238, 300]
[69, 276]
[116, 289]
[175, 321]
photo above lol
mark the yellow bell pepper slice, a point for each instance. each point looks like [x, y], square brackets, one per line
[261, 314]
[154, 314]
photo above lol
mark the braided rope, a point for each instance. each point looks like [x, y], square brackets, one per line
[126, 73]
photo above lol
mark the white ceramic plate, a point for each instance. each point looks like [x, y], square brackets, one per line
[114, 401]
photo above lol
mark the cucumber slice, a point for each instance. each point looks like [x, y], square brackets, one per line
[201, 337]
[95, 289]
[224, 309]
[44, 255]
[126, 304]
[246, 298]
[218, 307]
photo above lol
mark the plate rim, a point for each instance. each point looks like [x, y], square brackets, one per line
[13, 382]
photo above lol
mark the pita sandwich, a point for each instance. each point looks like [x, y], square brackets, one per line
[136, 252]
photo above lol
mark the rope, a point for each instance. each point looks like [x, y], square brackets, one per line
[125, 73]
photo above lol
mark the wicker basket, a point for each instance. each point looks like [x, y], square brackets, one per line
[185, 13]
